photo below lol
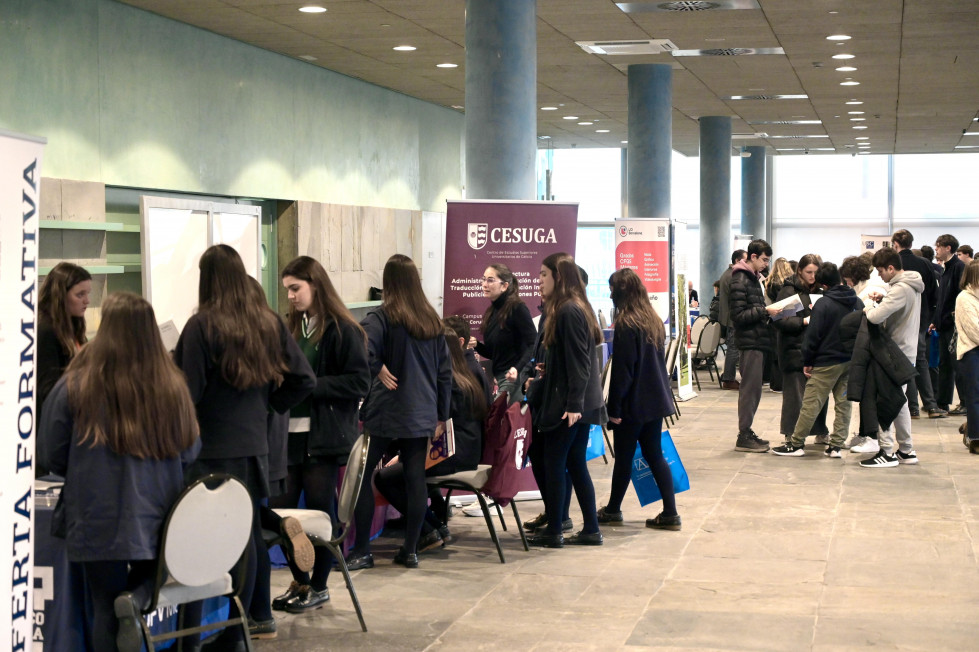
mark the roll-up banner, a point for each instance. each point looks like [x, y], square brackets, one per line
[874, 243]
[20, 200]
[681, 308]
[516, 233]
[643, 244]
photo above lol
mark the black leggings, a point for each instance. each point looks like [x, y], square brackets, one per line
[564, 449]
[536, 455]
[413, 452]
[104, 581]
[649, 436]
[319, 482]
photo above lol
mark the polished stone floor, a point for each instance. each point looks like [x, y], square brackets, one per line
[775, 553]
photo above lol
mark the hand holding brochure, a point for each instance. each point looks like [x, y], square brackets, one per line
[787, 307]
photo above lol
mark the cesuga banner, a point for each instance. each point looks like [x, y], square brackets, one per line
[20, 201]
[518, 234]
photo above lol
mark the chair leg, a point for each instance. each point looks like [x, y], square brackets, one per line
[697, 378]
[608, 442]
[499, 511]
[516, 516]
[338, 555]
[243, 620]
[489, 524]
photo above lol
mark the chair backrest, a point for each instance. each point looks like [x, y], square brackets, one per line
[353, 478]
[207, 529]
[710, 338]
[606, 378]
[671, 352]
[698, 326]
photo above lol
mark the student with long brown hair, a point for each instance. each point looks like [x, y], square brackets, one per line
[323, 428]
[120, 426]
[468, 409]
[508, 330]
[566, 399]
[61, 306]
[409, 399]
[240, 362]
[639, 398]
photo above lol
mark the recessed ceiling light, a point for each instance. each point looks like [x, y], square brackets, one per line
[447, 65]
[570, 117]
[601, 131]
[307, 57]
[838, 37]
[854, 102]
[863, 146]
[586, 123]
[456, 106]
[843, 56]
[543, 138]
[624, 142]
[404, 48]
[833, 13]
[857, 119]
[548, 108]
[312, 9]
[714, 40]
[384, 25]
[862, 138]
[860, 126]
[850, 83]
[967, 147]
[971, 133]
[854, 112]
[845, 69]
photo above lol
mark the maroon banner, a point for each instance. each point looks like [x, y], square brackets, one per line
[518, 234]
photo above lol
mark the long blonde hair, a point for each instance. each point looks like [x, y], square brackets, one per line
[781, 270]
[124, 388]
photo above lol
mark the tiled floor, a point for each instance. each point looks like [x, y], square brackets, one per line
[775, 554]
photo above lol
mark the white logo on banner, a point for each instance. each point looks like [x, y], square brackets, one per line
[477, 235]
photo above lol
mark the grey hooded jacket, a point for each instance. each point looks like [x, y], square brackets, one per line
[899, 312]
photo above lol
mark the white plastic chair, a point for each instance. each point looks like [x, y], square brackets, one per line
[205, 535]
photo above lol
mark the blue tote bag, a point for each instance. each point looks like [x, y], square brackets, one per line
[642, 476]
[596, 443]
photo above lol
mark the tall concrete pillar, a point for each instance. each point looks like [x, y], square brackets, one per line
[715, 200]
[650, 139]
[501, 99]
[753, 193]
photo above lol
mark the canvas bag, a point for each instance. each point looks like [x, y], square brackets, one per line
[642, 476]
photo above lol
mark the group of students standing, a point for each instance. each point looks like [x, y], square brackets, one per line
[278, 404]
[862, 335]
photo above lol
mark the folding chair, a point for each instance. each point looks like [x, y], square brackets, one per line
[319, 526]
[671, 353]
[205, 534]
[474, 481]
[706, 352]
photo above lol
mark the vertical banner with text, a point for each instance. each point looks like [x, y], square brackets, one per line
[20, 193]
[873, 243]
[678, 245]
[518, 234]
[643, 244]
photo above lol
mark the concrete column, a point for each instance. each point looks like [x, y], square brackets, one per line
[753, 194]
[501, 99]
[715, 201]
[650, 139]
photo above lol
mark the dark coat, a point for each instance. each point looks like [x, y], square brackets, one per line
[424, 373]
[234, 423]
[114, 505]
[571, 380]
[342, 380]
[929, 297]
[639, 390]
[51, 362]
[948, 290]
[509, 344]
[791, 330]
[724, 298]
[468, 432]
[823, 344]
[480, 374]
[878, 371]
[748, 312]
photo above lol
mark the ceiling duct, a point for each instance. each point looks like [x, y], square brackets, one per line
[612, 48]
[727, 52]
[766, 97]
[686, 5]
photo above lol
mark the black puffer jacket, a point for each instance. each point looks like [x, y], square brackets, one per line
[748, 312]
[792, 330]
[878, 371]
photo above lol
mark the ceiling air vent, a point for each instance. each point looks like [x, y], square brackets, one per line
[766, 97]
[652, 46]
[686, 5]
[727, 52]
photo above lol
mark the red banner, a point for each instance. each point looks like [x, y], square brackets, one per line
[518, 234]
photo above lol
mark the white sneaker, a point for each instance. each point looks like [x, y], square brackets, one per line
[855, 440]
[906, 458]
[868, 446]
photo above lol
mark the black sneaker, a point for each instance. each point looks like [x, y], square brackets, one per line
[546, 540]
[609, 518]
[832, 451]
[906, 458]
[566, 526]
[585, 539]
[663, 522]
[307, 600]
[937, 413]
[536, 522]
[447, 537]
[751, 443]
[279, 602]
[788, 450]
[430, 541]
[915, 414]
[405, 559]
[957, 411]
[879, 461]
[264, 629]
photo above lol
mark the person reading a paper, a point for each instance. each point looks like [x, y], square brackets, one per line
[458, 450]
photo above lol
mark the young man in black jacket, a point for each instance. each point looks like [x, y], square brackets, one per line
[943, 319]
[729, 374]
[752, 338]
[826, 363]
[920, 385]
